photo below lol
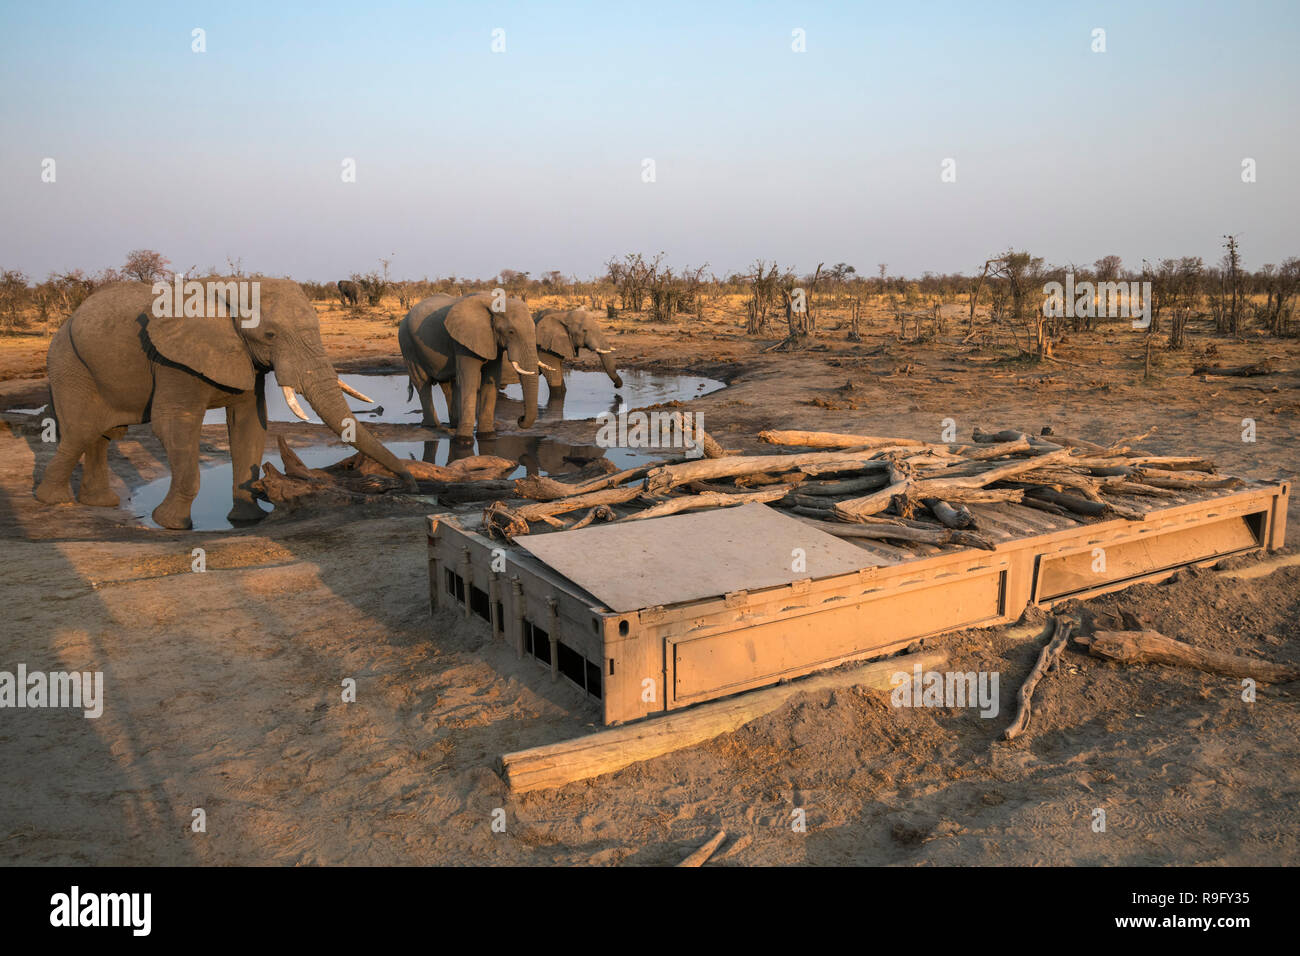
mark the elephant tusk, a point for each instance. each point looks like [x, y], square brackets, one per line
[349, 390]
[549, 368]
[603, 351]
[521, 370]
[292, 401]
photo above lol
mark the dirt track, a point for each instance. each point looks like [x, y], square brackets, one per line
[223, 688]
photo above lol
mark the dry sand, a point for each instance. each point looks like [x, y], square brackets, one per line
[223, 688]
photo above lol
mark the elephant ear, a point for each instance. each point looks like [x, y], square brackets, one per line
[553, 336]
[209, 346]
[469, 322]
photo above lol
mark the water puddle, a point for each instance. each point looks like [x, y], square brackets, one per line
[536, 455]
[586, 396]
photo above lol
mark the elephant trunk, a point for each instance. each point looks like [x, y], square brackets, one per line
[523, 355]
[554, 370]
[529, 384]
[607, 361]
[321, 389]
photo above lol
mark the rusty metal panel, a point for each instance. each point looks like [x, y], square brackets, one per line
[1060, 575]
[679, 558]
[764, 653]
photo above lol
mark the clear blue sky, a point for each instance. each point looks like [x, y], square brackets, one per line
[469, 161]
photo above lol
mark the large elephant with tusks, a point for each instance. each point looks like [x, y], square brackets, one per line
[461, 345]
[127, 356]
[561, 335]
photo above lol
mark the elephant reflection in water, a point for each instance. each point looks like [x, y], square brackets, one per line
[552, 410]
[535, 453]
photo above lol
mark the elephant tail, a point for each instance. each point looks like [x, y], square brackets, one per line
[416, 377]
[52, 410]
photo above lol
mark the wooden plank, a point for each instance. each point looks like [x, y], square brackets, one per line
[606, 751]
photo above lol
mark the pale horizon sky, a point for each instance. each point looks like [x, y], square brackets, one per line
[470, 161]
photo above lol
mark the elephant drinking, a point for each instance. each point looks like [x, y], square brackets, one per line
[461, 345]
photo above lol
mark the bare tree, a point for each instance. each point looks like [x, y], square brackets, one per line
[1227, 317]
[145, 265]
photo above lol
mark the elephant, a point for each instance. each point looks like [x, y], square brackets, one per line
[460, 343]
[350, 291]
[122, 359]
[561, 335]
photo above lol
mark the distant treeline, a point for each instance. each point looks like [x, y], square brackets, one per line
[1010, 284]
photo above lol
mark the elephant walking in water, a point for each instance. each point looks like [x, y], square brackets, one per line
[122, 360]
[562, 335]
[460, 344]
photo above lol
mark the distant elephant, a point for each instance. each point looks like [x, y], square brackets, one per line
[561, 335]
[350, 291]
[118, 362]
[460, 345]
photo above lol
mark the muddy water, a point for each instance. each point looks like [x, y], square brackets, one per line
[535, 454]
[587, 395]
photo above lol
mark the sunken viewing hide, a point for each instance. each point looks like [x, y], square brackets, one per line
[847, 547]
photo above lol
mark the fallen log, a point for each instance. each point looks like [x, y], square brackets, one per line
[702, 438]
[1010, 434]
[276, 487]
[543, 488]
[844, 487]
[1152, 647]
[901, 532]
[837, 440]
[665, 477]
[708, 499]
[871, 504]
[1182, 484]
[948, 515]
[979, 452]
[1046, 661]
[1081, 506]
[510, 522]
[966, 488]
[554, 765]
[293, 465]
[1262, 367]
[603, 512]
[473, 468]
[701, 856]
[1047, 506]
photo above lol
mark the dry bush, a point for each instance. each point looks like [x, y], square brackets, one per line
[15, 299]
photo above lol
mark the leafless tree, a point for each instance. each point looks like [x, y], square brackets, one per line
[145, 265]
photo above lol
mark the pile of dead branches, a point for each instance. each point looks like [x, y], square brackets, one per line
[358, 478]
[863, 486]
[908, 492]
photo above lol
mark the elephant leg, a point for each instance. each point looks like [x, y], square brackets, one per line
[449, 396]
[95, 490]
[178, 425]
[430, 419]
[246, 427]
[80, 415]
[469, 372]
[56, 484]
[487, 398]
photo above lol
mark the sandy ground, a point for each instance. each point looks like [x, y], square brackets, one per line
[223, 688]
